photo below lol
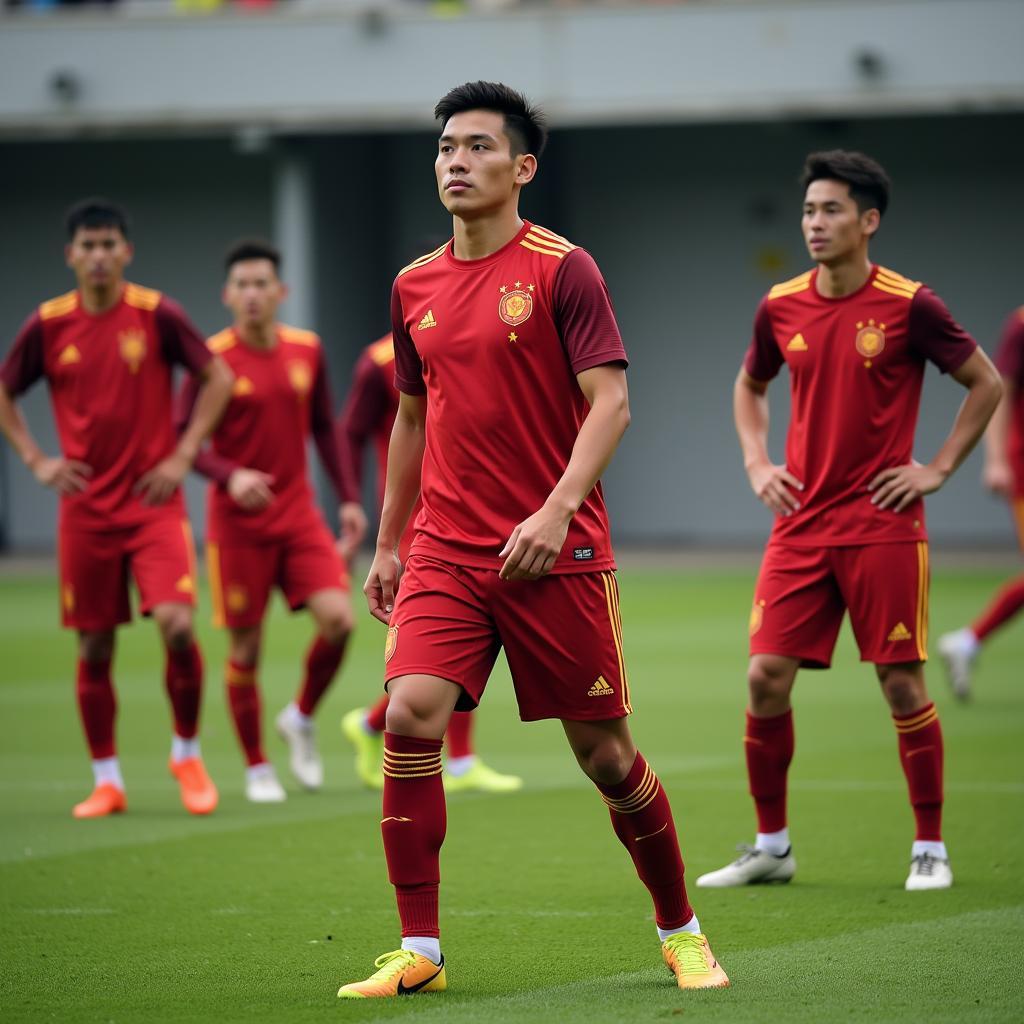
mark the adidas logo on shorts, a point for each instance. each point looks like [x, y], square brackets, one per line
[600, 688]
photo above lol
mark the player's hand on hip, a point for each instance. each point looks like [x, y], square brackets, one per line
[998, 478]
[900, 486]
[774, 485]
[534, 545]
[381, 584]
[250, 488]
[352, 519]
[163, 479]
[65, 476]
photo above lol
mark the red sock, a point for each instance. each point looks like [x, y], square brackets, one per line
[920, 738]
[768, 743]
[322, 661]
[184, 681]
[376, 717]
[642, 819]
[413, 827]
[1004, 606]
[246, 711]
[459, 736]
[97, 705]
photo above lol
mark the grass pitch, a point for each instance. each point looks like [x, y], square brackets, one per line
[258, 913]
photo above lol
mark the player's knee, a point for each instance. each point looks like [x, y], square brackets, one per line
[770, 681]
[903, 686]
[335, 628]
[607, 762]
[96, 646]
[176, 627]
[407, 716]
[244, 649]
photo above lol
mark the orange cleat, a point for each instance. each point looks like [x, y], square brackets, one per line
[198, 793]
[400, 973]
[105, 799]
[688, 956]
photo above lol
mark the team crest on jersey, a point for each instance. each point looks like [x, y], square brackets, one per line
[756, 616]
[132, 344]
[870, 338]
[516, 303]
[391, 643]
[301, 377]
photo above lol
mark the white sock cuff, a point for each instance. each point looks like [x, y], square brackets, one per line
[692, 926]
[425, 945]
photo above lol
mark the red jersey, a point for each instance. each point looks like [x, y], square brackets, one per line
[110, 379]
[280, 397]
[495, 345]
[1010, 362]
[856, 366]
[368, 416]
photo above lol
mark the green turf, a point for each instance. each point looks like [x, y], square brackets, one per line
[258, 913]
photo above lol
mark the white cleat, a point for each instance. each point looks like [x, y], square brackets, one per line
[958, 650]
[305, 762]
[752, 867]
[929, 872]
[262, 785]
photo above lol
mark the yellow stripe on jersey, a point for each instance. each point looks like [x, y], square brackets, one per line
[897, 280]
[141, 298]
[383, 352]
[298, 336]
[792, 286]
[550, 238]
[60, 306]
[903, 293]
[922, 600]
[422, 261]
[543, 250]
[222, 341]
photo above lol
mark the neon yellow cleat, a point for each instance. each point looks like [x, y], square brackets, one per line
[689, 957]
[369, 748]
[401, 973]
[481, 777]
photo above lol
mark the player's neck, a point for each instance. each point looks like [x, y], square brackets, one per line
[478, 238]
[263, 336]
[837, 280]
[100, 300]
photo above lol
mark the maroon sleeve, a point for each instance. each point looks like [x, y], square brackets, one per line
[323, 429]
[367, 404]
[24, 363]
[180, 340]
[935, 335]
[764, 357]
[584, 315]
[1010, 354]
[408, 366]
[208, 463]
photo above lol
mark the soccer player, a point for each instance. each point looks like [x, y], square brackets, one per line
[263, 526]
[512, 374]
[107, 351]
[368, 418]
[849, 531]
[1003, 474]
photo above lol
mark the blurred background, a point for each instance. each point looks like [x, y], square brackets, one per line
[679, 130]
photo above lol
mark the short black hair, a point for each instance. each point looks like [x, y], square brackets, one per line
[868, 183]
[252, 249]
[95, 212]
[525, 123]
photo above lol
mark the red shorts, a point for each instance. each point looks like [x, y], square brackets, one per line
[562, 636]
[802, 594]
[95, 566]
[241, 575]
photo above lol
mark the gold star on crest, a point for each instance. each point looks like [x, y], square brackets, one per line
[531, 288]
[513, 337]
[519, 284]
[502, 289]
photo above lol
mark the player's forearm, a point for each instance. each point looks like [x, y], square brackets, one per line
[997, 434]
[595, 445]
[970, 423]
[750, 413]
[15, 429]
[405, 462]
[211, 402]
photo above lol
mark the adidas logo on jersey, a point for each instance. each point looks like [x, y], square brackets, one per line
[899, 632]
[797, 344]
[600, 688]
[428, 320]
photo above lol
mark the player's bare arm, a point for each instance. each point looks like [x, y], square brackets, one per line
[534, 545]
[774, 485]
[163, 479]
[250, 489]
[353, 523]
[405, 461]
[997, 473]
[896, 488]
[65, 476]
